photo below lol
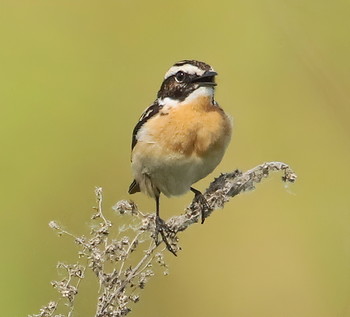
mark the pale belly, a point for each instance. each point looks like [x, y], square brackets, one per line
[171, 174]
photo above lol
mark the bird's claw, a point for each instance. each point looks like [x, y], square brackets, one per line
[161, 228]
[202, 202]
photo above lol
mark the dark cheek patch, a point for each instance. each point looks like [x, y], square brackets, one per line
[171, 89]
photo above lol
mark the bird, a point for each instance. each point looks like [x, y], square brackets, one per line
[180, 138]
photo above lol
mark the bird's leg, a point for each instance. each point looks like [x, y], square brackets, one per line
[159, 222]
[160, 228]
[203, 204]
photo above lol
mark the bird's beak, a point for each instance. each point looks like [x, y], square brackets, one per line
[207, 79]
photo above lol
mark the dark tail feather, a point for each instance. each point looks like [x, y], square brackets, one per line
[134, 188]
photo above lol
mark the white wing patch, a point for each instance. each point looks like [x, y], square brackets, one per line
[146, 113]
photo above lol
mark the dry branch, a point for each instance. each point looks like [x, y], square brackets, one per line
[119, 286]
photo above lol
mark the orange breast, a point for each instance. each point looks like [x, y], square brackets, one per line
[192, 128]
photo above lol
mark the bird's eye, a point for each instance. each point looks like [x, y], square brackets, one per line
[180, 76]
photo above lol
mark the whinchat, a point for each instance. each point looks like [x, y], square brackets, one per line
[181, 137]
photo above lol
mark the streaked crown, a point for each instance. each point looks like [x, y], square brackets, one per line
[185, 77]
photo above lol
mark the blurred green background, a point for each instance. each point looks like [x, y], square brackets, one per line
[74, 78]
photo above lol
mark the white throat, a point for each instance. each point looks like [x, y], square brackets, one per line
[200, 92]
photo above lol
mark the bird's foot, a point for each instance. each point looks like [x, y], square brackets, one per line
[202, 202]
[164, 231]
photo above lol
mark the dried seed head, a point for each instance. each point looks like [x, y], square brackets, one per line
[54, 225]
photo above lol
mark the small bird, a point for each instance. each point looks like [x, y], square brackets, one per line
[180, 138]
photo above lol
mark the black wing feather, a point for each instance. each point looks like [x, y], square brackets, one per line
[151, 111]
[134, 187]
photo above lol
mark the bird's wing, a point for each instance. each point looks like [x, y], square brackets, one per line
[151, 111]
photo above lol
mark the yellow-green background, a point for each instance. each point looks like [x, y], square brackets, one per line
[74, 78]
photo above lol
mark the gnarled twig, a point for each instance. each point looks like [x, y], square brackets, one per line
[119, 285]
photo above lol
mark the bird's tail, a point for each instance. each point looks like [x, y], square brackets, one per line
[134, 188]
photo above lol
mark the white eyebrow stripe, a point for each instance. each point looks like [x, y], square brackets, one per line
[187, 68]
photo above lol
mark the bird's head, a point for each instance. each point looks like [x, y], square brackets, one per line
[185, 78]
